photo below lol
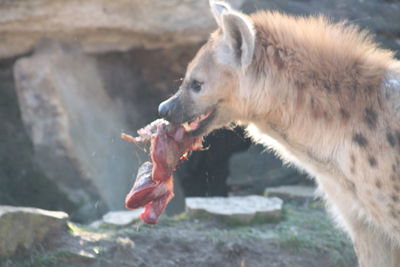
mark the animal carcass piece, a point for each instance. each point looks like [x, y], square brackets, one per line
[153, 188]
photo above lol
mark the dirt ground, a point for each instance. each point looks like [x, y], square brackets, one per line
[304, 237]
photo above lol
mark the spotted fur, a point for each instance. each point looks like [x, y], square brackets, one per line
[326, 98]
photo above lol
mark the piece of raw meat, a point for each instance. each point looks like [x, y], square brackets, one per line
[153, 188]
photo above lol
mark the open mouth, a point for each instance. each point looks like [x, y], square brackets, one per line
[197, 126]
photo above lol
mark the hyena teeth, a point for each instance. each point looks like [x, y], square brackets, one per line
[186, 126]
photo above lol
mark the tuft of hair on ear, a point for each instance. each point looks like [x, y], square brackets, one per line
[240, 35]
[217, 9]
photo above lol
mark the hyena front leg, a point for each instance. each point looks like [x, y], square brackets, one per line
[373, 249]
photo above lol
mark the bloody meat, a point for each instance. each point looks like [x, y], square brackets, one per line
[153, 188]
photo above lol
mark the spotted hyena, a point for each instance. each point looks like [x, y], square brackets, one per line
[324, 96]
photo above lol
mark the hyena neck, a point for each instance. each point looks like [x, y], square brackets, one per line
[314, 83]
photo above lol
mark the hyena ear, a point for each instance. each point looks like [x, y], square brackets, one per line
[238, 33]
[217, 9]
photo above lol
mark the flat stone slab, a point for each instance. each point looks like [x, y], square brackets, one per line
[22, 227]
[122, 217]
[291, 192]
[236, 209]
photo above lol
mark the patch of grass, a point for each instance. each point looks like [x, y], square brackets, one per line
[231, 221]
[215, 235]
[308, 227]
[305, 228]
[39, 258]
[294, 242]
[184, 216]
[77, 229]
[42, 261]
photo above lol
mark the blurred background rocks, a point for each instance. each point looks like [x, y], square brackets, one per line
[75, 74]
[103, 26]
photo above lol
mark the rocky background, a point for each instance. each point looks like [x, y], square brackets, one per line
[75, 74]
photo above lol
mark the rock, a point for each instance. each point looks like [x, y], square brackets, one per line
[75, 129]
[21, 227]
[96, 224]
[255, 169]
[22, 183]
[291, 192]
[122, 217]
[99, 26]
[236, 209]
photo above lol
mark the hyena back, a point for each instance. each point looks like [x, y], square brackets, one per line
[324, 96]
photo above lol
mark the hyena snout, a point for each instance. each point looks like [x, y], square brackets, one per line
[164, 110]
[172, 110]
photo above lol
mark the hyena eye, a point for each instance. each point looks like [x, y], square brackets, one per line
[196, 85]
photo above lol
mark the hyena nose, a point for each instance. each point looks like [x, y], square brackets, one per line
[164, 110]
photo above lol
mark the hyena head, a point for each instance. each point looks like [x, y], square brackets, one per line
[208, 96]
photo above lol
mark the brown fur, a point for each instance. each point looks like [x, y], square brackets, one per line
[324, 61]
[325, 97]
[329, 68]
